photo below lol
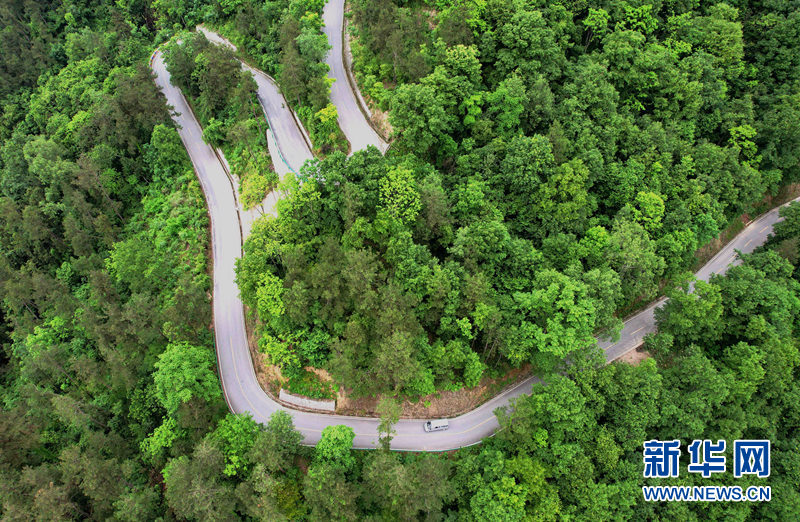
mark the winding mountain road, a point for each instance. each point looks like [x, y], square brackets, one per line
[293, 143]
[352, 119]
[753, 236]
[242, 390]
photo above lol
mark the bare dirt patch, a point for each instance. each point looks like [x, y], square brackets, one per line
[437, 405]
[635, 357]
[433, 16]
[380, 119]
[268, 375]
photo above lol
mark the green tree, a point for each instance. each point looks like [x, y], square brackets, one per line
[649, 211]
[216, 74]
[329, 494]
[235, 436]
[195, 488]
[564, 203]
[789, 226]
[389, 410]
[420, 120]
[255, 188]
[277, 444]
[632, 254]
[334, 447]
[555, 318]
[399, 196]
[268, 297]
[215, 132]
[326, 127]
[162, 438]
[506, 105]
[760, 298]
[403, 490]
[183, 372]
[501, 500]
[693, 318]
[260, 496]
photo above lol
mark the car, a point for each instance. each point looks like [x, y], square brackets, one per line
[436, 425]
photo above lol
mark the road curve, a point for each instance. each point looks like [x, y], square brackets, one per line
[291, 138]
[753, 236]
[352, 119]
[242, 390]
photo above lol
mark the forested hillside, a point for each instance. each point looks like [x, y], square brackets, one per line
[103, 269]
[555, 165]
[223, 97]
[726, 367]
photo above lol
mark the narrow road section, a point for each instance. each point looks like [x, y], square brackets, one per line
[352, 119]
[292, 140]
[242, 390]
[753, 236]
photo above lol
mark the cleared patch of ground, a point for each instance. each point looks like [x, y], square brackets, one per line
[437, 405]
[380, 119]
[269, 376]
[635, 357]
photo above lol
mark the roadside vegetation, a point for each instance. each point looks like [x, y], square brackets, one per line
[223, 97]
[554, 168]
[555, 162]
[284, 39]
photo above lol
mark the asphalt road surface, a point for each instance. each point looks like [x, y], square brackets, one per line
[352, 121]
[643, 323]
[242, 390]
[292, 140]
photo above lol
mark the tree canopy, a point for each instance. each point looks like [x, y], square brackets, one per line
[555, 165]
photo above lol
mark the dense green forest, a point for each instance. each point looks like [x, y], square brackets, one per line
[726, 366]
[555, 163]
[554, 166]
